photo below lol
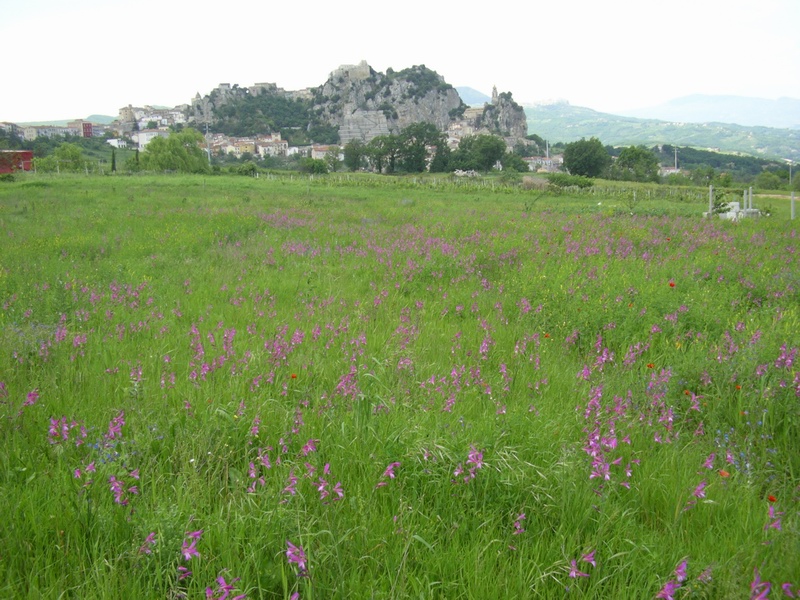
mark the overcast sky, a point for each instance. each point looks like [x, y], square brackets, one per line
[66, 60]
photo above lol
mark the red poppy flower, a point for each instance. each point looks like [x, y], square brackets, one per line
[650, 365]
[294, 376]
[724, 473]
[772, 498]
[738, 387]
[671, 284]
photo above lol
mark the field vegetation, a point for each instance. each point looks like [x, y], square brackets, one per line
[374, 387]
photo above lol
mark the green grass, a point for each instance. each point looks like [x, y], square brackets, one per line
[410, 320]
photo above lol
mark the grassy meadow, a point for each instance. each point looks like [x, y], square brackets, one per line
[274, 388]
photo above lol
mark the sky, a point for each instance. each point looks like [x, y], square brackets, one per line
[73, 59]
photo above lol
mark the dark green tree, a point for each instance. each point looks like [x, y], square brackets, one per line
[383, 151]
[313, 166]
[441, 160]
[512, 161]
[113, 160]
[414, 143]
[332, 159]
[478, 152]
[635, 163]
[354, 153]
[586, 157]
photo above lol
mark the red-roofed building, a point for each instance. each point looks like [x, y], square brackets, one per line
[15, 160]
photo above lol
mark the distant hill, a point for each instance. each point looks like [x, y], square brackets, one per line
[472, 96]
[99, 119]
[749, 112]
[562, 122]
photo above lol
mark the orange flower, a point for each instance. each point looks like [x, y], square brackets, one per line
[738, 387]
[650, 365]
[687, 393]
[294, 376]
[772, 498]
[724, 473]
[669, 239]
[547, 335]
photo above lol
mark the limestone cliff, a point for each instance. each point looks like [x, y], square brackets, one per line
[364, 103]
[504, 117]
[356, 102]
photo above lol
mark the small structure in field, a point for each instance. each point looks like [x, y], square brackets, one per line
[15, 160]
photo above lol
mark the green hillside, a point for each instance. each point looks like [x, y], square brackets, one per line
[565, 123]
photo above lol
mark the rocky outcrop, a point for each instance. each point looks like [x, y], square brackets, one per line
[364, 103]
[502, 117]
[361, 104]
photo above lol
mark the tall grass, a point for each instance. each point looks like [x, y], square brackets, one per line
[428, 390]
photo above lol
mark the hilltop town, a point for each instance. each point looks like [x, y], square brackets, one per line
[355, 103]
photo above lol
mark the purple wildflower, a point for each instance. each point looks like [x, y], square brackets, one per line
[699, 491]
[295, 555]
[759, 590]
[574, 572]
[668, 591]
[680, 571]
[589, 558]
[149, 542]
[518, 524]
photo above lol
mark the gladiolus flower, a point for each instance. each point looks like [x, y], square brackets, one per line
[574, 572]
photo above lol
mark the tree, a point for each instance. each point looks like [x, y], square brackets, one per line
[768, 181]
[69, 157]
[181, 151]
[152, 125]
[512, 161]
[478, 152]
[635, 163]
[441, 160]
[113, 160]
[313, 166]
[354, 153]
[332, 158]
[414, 142]
[586, 157]
[383, 151]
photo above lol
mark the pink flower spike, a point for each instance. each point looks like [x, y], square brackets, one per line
[759, 590]
[699, 491]
[295, 555]
[787, 590]
[668, 591]
[680, 571]
[589, 558]
[389, 472]
[574, 572]
[705, 576]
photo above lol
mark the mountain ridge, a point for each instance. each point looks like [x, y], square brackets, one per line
[782, 113]
[562, 122]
